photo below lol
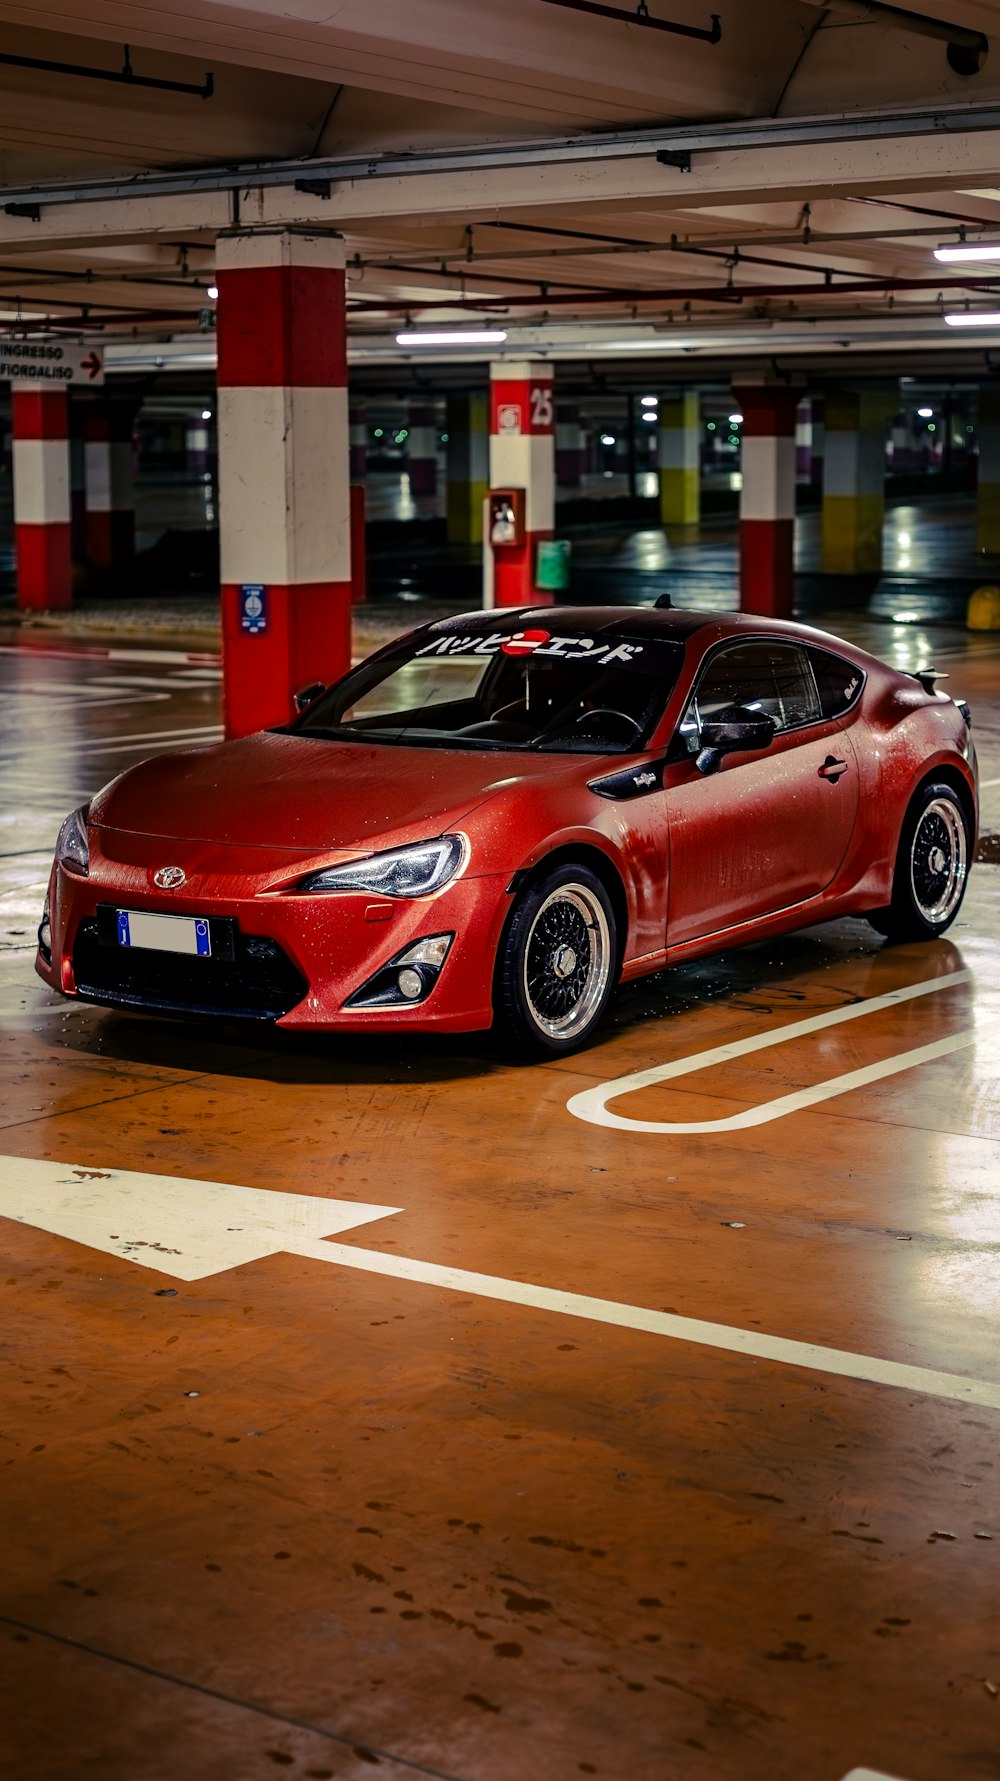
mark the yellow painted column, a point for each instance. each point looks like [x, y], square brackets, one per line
[988, 496]
[854, 479]
[680, 459]
[468, 467]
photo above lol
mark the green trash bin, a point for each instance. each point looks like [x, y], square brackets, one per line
[552, 565]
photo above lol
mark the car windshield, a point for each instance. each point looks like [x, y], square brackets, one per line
[563, 691]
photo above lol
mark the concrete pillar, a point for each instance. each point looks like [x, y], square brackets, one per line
[468, 466]
[421, 449]
[42, 531]
[197, 448]
[988, 497]
[358, 442]
[854, 480]
[284, 492]
[680, 459]
[109, 535]
[522, 456]
[809, 431]
[570, 446]
[767, 499]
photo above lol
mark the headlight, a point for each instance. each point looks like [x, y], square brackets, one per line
[405, 872]
[72, 848]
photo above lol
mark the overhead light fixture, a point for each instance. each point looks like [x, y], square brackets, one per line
[453, 337]
[974, 318]
[736, 420]
[650, 417]
[608, 439]
[212, 292]
[649, 401]
[926, 414]
[206, 414]
[964, 252]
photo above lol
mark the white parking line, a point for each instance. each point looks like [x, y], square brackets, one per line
[591, 1104]
[195, 1229]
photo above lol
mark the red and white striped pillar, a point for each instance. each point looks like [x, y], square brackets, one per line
[421, 449]
[358, 442]
[284, 488]
[522, 456]
[767, 499]
[109, 534]
[570, 446]
[42, 531]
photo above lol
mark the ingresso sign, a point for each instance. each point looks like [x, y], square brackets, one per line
[48, 364]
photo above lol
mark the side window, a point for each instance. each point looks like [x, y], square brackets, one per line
[838, 682]
[772, 677]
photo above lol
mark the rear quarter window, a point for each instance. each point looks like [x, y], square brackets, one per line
[838, 682]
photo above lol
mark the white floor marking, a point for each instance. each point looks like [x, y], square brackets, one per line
[985, 783]
[193, 1229]
[189, 1229]
[591, 1104]
[869, 1775]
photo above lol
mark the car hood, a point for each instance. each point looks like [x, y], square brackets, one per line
[300, 792]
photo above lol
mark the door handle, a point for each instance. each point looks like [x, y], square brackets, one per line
[832, 769]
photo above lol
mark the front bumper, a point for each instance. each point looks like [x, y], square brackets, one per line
[295, 959]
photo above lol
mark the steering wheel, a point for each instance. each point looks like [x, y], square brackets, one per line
[587, 717]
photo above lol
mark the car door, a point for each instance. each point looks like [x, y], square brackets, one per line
[765, 831]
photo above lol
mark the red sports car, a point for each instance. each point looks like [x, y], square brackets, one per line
[499, 817]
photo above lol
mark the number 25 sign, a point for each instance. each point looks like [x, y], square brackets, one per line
[541, 407]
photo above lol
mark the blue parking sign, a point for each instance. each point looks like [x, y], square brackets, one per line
[253, 609]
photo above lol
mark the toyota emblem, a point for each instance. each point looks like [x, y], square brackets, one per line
[170, 877]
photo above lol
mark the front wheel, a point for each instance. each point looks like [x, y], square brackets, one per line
[932, 866]
[558, 962]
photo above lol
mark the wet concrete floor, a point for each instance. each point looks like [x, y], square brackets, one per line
[316, 1514]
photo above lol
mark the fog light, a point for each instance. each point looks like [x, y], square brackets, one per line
[408, 978]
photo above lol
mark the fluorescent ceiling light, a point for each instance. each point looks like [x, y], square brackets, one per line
[212, 292]
[926, 414]
[963, 252]
[659, 345]
[453, 337]
[736, 420]
[974, 318]
[649, 401]
[608, 439]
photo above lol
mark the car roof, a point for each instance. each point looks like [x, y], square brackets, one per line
[669, 622]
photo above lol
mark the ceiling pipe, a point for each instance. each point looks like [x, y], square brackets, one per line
[642, 16]
[967, 49]
[595, 147]
[683, 294]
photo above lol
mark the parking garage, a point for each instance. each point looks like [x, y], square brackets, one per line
[421, 1351]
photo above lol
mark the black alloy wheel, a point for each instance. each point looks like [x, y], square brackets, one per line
[558, 962]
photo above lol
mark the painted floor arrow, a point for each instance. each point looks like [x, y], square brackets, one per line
[193, 1229]
[189, 1229]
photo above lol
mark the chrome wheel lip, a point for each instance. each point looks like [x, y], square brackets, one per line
[587, 905]
[939, 830]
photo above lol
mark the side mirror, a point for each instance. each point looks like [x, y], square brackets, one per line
[737, 730]
[308, 695]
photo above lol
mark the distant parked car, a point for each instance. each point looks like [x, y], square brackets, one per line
[499, 817]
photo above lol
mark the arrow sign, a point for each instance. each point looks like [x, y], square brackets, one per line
[192, 1229]
[189, 1229]
[49, 364]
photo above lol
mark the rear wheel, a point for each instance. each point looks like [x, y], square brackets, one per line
[932, 866]
[558, 963]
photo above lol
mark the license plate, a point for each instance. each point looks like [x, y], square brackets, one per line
[164, 933]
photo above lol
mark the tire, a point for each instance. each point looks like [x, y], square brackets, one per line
[932, 867]
[558, 962]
